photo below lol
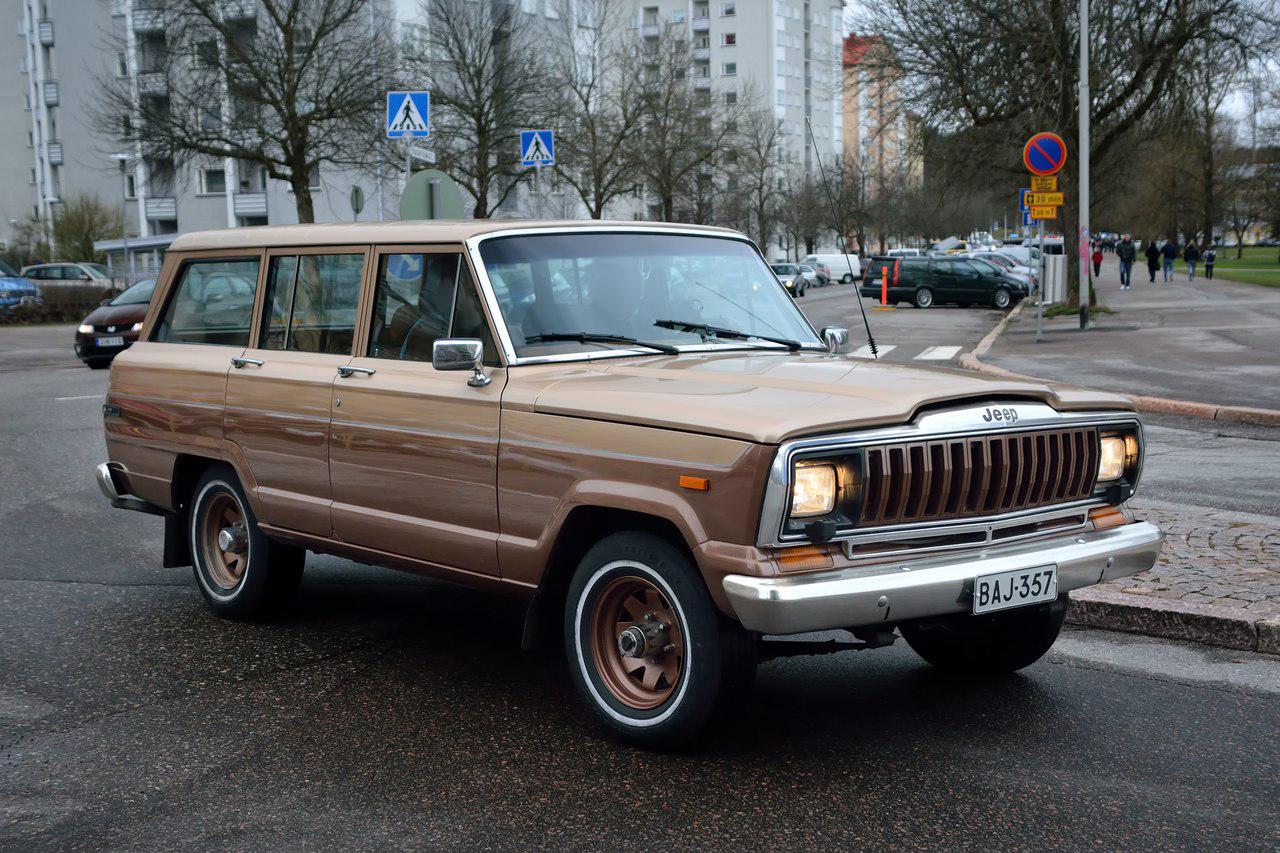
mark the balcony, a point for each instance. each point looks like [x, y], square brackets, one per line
[651, 31]
[54, 153]
[701, 54]
[701, 24]
[148, 20]
[50, 89]
[152, 83]
[46, 33]
[250, 204]
[239, 10]
[162, 207]
[702, 82]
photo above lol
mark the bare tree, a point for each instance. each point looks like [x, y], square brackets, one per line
[487, 72]
[83, 220]
[803, 212]
[755, 161]
[287, 85]
[599, 113]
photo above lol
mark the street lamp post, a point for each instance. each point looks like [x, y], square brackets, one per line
[123, 160]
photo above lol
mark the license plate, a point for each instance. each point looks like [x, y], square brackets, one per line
[111, 342]
[1002, 590]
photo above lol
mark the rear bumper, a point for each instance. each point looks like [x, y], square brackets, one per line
[907, 589]
[107, 483]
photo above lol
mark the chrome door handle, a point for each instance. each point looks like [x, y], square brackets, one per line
[237, 361]
[346, 370]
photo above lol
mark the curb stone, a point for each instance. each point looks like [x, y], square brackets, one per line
[1155, 405]
[1212, 625]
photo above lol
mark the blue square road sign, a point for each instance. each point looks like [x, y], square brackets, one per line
[537, 148]
[408, 114]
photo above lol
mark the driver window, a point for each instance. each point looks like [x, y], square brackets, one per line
[413, 304]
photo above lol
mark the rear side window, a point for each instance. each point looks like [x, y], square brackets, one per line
[311, 303]
[211, 304]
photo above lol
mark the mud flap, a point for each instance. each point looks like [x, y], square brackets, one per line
[177, 548]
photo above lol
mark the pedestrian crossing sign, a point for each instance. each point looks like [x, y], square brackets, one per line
[407, 114]
[537, 148]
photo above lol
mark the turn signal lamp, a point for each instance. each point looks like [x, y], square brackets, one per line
[813, 490]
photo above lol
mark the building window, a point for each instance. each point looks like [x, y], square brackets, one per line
[731, 98]
[122, 63]
[529, 6]
[677, 16]
[729, 69]
[728, 39]
[731, 157]
[130, 186]
[213, 181]
[728, 10]
[33, 176]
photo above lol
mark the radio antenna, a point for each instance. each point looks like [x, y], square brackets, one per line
[835, 217]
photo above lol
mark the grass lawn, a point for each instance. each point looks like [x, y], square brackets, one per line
[1257, 266]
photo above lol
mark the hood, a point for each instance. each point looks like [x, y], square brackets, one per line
[117, 315]
[772, 397]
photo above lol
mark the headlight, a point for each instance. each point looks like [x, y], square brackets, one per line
[137, 327]
[787, 282]
[85, 329]
[813, 490]
[1118, 453]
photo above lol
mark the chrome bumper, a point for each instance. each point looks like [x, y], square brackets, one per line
[909, 589]
[108, 486]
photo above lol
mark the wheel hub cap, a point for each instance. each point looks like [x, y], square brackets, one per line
[234, 539]
[645, 640]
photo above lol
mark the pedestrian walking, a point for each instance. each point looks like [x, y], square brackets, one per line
[1153, 258]
[1210, 257]
[1191, 254]
[1169, 254]
[1125, 252]
[1097, 261]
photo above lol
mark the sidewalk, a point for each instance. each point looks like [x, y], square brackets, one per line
[1204, 349]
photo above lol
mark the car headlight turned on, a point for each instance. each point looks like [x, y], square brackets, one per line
[813, 490]
[788, 283]
[1118, 456]
[136, 327]
[85, 329]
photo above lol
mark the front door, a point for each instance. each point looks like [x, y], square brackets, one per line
[413, 450]
[279, 392]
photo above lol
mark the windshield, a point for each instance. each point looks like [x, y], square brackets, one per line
[624, 284]
[5, 269]
[139, 294]
[97, 270]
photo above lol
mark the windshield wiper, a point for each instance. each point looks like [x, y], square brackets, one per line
[719, 332]
[591, 338]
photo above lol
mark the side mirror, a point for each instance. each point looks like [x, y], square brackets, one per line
[836, 338]
[461, 354]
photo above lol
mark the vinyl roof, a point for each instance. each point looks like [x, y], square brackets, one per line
[420, 231]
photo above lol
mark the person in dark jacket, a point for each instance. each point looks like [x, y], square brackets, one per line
[1169, 254]
[1125, 253]
[1153, 258]
[1210, 256]
[1191, 254]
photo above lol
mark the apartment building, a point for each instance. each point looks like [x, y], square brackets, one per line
[63, 53]
[880, 129]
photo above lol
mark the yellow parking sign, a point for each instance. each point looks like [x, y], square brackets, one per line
[1043, 198]
[1047, 184]
[1045, 211]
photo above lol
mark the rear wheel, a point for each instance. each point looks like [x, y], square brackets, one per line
[846, 278]
[654, 659]
[990, 644]
[1001, 298]
[924, 298]
[240, 572]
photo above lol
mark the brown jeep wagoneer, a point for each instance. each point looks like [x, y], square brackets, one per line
[629, 424]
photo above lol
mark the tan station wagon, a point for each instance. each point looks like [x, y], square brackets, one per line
[632, 426]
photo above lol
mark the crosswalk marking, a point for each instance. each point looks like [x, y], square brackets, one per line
[864, 351]
[938, 354]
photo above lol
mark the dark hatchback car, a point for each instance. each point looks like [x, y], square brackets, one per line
[114, 325]
[926, 281]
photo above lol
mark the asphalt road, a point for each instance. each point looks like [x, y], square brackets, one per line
[388, 712]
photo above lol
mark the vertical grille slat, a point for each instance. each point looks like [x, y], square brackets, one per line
[979, 475]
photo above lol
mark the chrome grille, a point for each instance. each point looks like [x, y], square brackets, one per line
[975, 476]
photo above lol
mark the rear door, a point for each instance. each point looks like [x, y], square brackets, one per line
[279, 392]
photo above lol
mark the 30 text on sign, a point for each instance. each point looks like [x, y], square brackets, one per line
[1047, 211]
[1034, 199]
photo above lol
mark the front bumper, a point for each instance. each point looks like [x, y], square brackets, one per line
[907, 589]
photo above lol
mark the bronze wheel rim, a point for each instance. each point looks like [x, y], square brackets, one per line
[645, 681]
[225, 566]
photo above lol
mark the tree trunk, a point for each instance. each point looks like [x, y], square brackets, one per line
[302, 197]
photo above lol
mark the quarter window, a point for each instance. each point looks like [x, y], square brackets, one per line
[212, 303]
[312, 302]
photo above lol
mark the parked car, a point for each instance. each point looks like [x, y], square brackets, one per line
[903, 253]
[664, 471]
[810, 274]
[950, 279]
[791, 277]
[114, 325]
[1012, 266]
[16, 291]
[842, 268]
[68, 273]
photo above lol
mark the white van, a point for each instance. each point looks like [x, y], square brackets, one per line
[838, 265]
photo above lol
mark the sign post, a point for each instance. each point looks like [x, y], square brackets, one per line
[1043, 155]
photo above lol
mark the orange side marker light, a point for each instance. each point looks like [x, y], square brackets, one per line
[698, 484]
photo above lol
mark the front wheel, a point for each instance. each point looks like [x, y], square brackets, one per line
[1001, 298]
[654, 659]
[241, 573]
[990, 644]
[924, 298]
